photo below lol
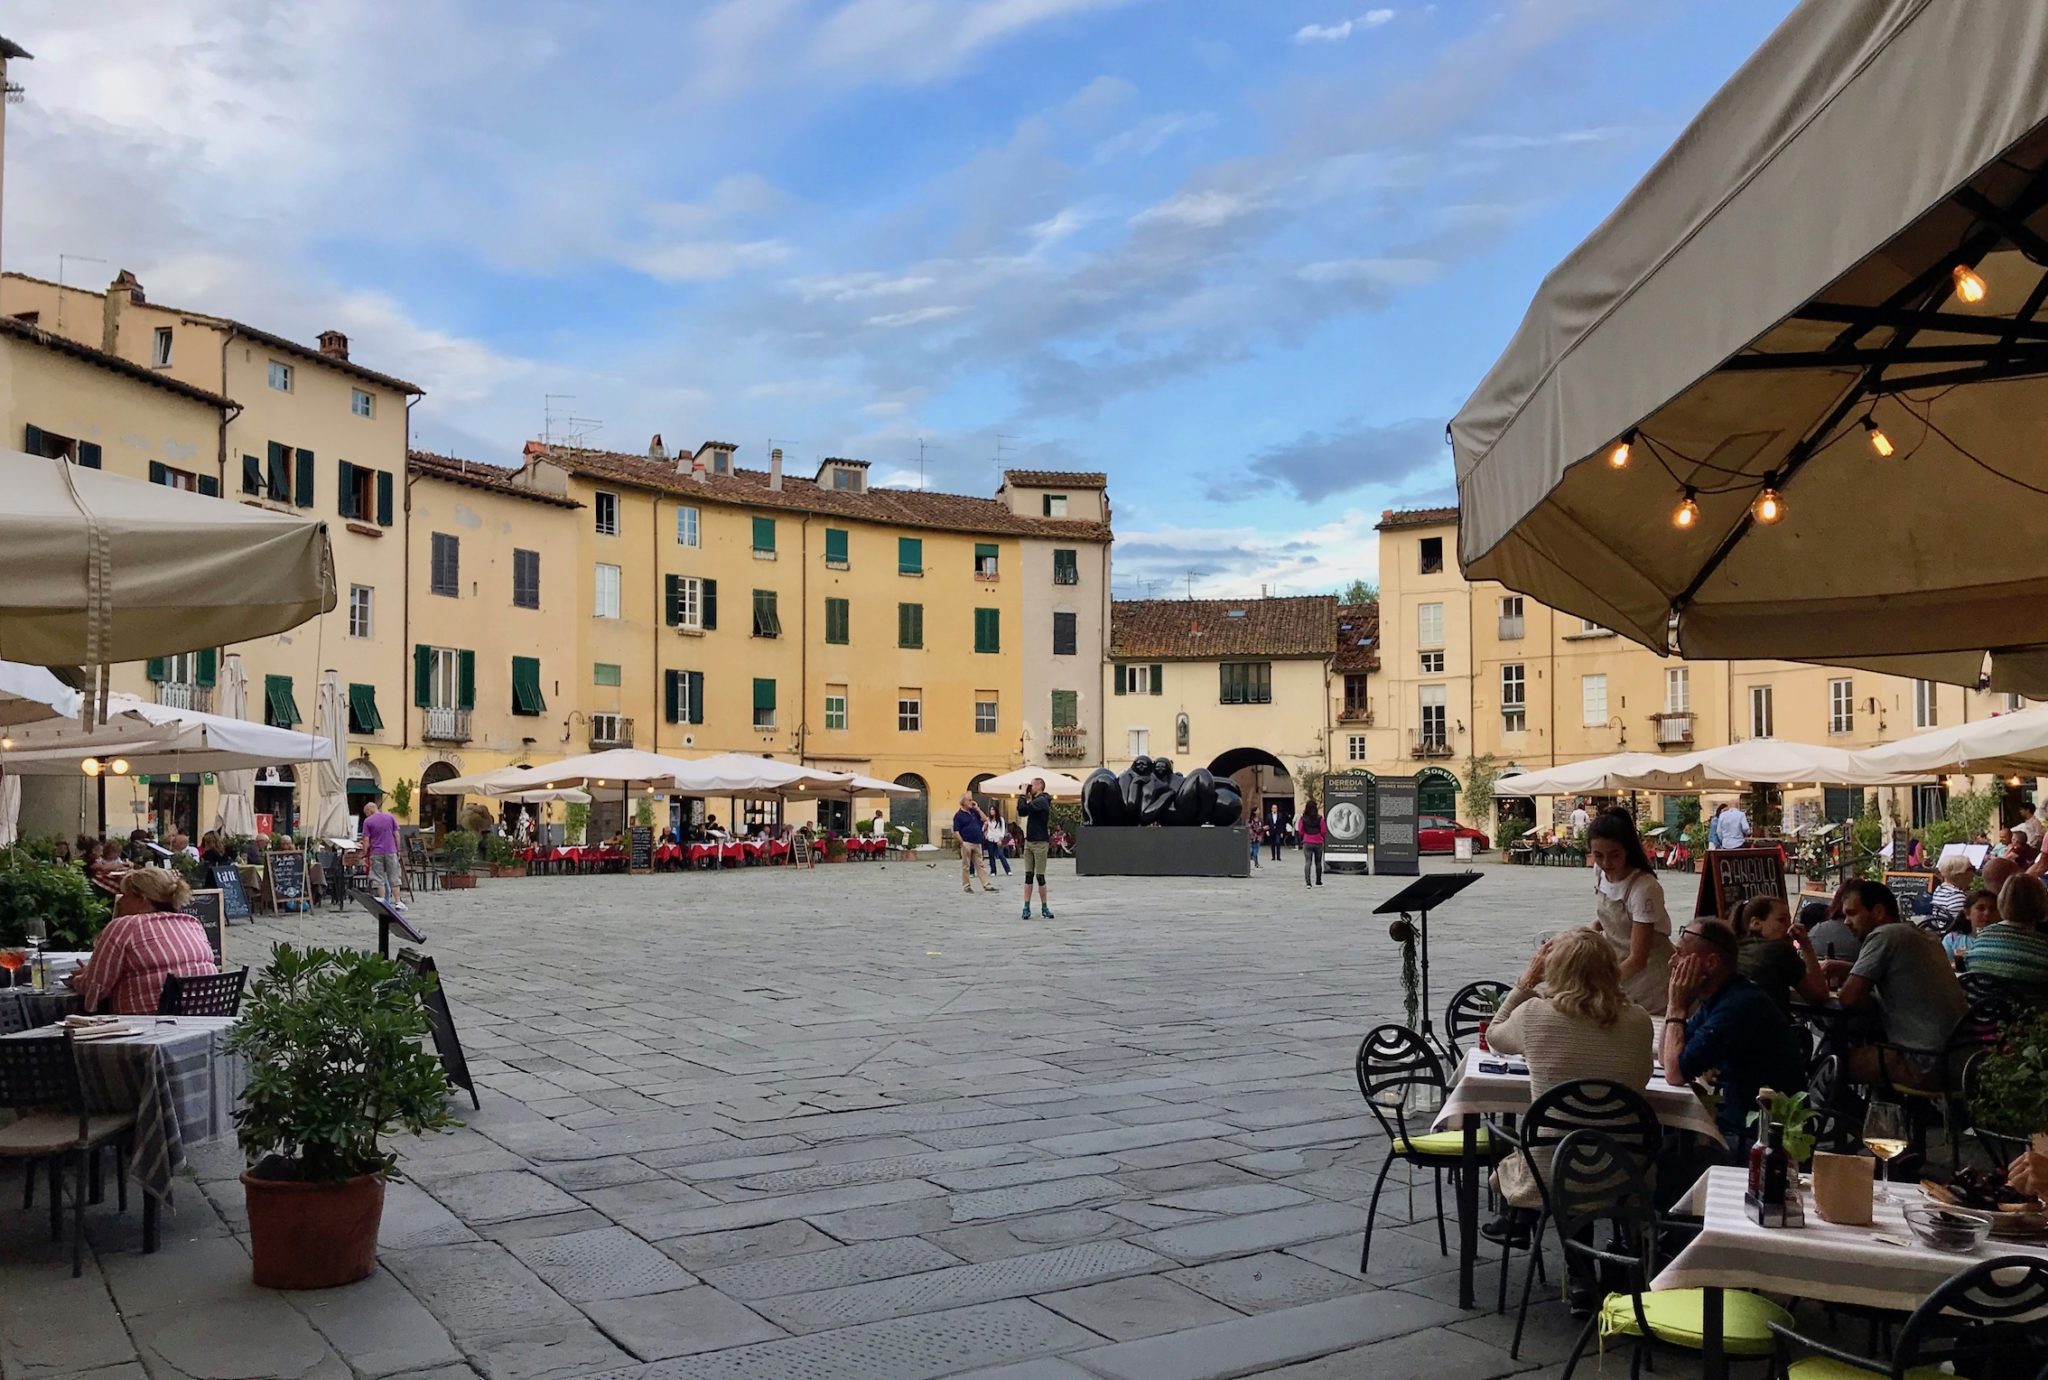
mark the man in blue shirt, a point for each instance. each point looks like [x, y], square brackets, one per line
[1717, 1021]
[973, 855]
[1730, 828]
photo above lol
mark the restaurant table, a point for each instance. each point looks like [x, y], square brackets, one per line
[1477, 1094]
[40, 1008]
[1820, 1261]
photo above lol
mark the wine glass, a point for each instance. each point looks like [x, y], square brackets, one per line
[1884, 1134]
[11, 961]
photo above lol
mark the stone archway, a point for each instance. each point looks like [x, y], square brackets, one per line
[912, 811]
[1262, 780]
[1436, 792]
[436, 812]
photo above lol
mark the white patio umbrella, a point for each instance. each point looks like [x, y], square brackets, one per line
[235, 810]
[30, 694]
[1788, 763]
[10, 807]
[2016, 742]
[626, 767]
[1620, 771]
[740, 774]
[148, 737]
[330, 777]
[1058, 785]
[846, 786]
[480, 784]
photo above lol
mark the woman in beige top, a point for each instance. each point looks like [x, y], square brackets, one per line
[1628, 904]
[1580, 1026]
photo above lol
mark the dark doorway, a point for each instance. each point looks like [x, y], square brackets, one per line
[912, 811]
[436, 812]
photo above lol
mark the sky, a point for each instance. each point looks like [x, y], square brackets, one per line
[1246, 256]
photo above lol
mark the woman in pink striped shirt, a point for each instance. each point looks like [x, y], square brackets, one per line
[148, 940]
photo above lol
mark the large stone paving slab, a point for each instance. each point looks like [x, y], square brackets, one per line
[830, 1269]
[610, 1263]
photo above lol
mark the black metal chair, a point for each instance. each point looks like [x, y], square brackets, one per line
[1988, 1319]
[39, 1080]
[1395, 1064]
[211, 994]
[1472, 1007]
[13, 1016]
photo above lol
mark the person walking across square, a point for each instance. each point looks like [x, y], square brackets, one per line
[1275, 829]
[1312, 837]
[1035, 810]
[967, 830]
[380, 836]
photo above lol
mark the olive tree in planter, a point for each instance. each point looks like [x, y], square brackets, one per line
[459, 850]
[332, 1039]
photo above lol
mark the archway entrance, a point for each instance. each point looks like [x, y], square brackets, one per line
[974, 789]
[363, 784]
[1436, 792]
[436, 812]
[1262, 779]
[912, 811]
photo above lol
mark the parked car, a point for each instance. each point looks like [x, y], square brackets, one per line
[1439, 834]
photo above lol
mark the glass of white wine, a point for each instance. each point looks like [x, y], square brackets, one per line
[1884, 1134]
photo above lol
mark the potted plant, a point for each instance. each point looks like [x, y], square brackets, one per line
[1790, 1111]
[2011, 1097]
[458, 852]
[575, 819]
[503, 856]
[332, 1040]
[401, 798]
[53, 892]
[835, 849]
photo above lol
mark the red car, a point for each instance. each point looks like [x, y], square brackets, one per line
[1441, 835]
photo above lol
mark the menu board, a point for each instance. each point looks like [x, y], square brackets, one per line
[207, 907]
[1347, 815]
[441, 1021]
[227, 878]
[1398, 853]
[1736, 875]
[640, 848]
[1902, 846]
[1914, 890]
[286, 878]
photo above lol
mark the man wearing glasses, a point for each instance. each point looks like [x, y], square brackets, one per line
[1718, 1022]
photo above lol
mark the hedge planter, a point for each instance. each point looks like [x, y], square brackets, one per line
[313, 1234]
[458, 881]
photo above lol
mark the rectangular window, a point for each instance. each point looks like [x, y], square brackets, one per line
[1433, 728]
[607, 510]
[836, 548]
[361, 402]
[280, 376]
[1055, 505]
[910, 625]
[525, 579]
[1066, 567]
[160, 348]
[357, 492]
[363, 717]
[1065, 633]
[526, 696]
[1677, 690]
[685, 602]
[764, 535]
[1926, 713]
[1432, 553]
[1842, 705]
[605, 596]
[845, 479]
[606, 673]
[1588, 628]
[1514, 701]
[1066, 709]
[686, 527]
[767, 621]
[910, 555]
[1511, 618]
[985, 556]
[1429, 625]
[838, 622]
[160, 473]
[986, 708]
[1432, 663]
[764, 703]
[1135, 679]
[1138, 742]
[1762, 722]
[1593, 701]
[1357, 694]
[1354, 748]
[909, 711]
[1246, 682]
[835, 707]
[988, 630]
[445, 567]
[444, 681]
[361, 599]
[683, 697]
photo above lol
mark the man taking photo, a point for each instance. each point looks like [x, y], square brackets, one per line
[1034, 810]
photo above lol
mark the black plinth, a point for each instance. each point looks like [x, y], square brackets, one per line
[1165, 851]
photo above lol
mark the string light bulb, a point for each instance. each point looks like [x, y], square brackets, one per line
[1686, 513]
[1970, 284]
[90, 766]
[1769, 508]
[119, 766]
[1879, 442]
[1618, 456]
[6, 744]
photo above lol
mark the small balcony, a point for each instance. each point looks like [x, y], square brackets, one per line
[1355, 714]
[1067, 744]
[610, 731]
[1421, 744]
[445, 725]
[1065, 575]
[175, 695]
[1674, 729]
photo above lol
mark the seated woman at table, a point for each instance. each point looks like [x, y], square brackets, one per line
[108, 866]
[1979, 915]
[148, 940]
[1579, 1026]
[1777, 954]
[1629, 909]
[2015, 951]
[1952, 894]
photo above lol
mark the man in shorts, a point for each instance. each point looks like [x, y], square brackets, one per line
[380, 836]
[1035, 811]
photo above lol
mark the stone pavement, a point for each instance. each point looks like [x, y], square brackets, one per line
[851, 1123]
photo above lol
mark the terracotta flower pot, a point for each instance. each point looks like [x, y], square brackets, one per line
[308, 1234]
[458, 881]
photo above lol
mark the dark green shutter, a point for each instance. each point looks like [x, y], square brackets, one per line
[984, 551]
[835, 545]
[362, 710]
[302, 471]
[710, 610]
[1158, 679]
[910, 555]
[465, 680]
[672, 586]
[764, 693]
[988, 630]
[422, 675]
[383, 498]
[279, 471]
[207, 666]
[209, 486]
[837, 620]
[155, 669]
[33, 440]
[696, 697]
[526, 695]
[252, 475]
[1118, 682]
[671, 696]
[764, 534]
[159, 472]
[345, 490]
[88, 455]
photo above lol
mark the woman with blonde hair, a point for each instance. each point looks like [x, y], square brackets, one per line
[1581, 1025]
[148, 940]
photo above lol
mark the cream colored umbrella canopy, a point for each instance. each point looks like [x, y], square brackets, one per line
[95, 568]
[330, 775]
[1823, 289]
[29, 694]
[2016, 742]
[148, 737]
[1058, 785]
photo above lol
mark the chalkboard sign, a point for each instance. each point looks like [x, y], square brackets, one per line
[1902, 844]
[1915, 891]
[208, 907]
[286, 879]
[234, 897]
[1399, 851]
[640, 846]
[1736, 875]
[442, 1022]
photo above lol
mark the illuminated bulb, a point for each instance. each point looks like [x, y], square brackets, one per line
[120, 766]
[1970, 285]
[1617, 458]
[90, 766]
[2012, 781]
[6, 745]
[600, 783]
[1686, 513]
[1879, 442]
[1769, 508]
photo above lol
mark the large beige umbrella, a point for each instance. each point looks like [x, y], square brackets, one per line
[1828, 290]
[95, 568]
[2016, 742]
[1058, 785]
[235, 811]
[330, 819]
[143, 736]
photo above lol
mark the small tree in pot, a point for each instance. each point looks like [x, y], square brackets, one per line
[459, 852]
[333, 1044]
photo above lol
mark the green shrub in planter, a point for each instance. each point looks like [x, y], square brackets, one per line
[55, 893]
[2012, 1080]
[459, 847]
[500, 851]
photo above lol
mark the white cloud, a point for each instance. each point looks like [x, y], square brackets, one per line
[1202, 210]
[1390, 273]
[1237, 562]
[1151, 134]
[1516, 143]
[916, 316]
[1337, 33]
[902, 479]
[704, 262]
[860, 287]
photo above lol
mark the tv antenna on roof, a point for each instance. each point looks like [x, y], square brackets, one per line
[62, 260]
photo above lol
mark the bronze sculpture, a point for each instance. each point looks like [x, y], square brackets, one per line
[1150, 792]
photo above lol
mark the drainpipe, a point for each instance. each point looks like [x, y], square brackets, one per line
[405, 623]
[660, 621]
[221, 456]
[803, 665]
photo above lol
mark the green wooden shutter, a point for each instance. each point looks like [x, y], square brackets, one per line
[764, 534]
[710, 610]
[465, 680]
[208, 665]
[526, 695]
[910, 555]
[672, 613]
[252, 475]
[209, 486]
[837, 619]
[422, 675]
[159, 472]
[302, 471]
[383, 498]
[984, 551]
[279, 472]
[1117, 683]
[155, 669]
[345, 490]
[764, 693]
[1158, 679]
[696, 697]
[835, 545]
[671, 696]
[88, 455]
[33, 440]
[988, 630]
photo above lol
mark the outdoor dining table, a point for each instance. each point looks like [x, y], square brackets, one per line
[37, 1008]
[1478, 1094]
[1822, 1261]
[179, 1079]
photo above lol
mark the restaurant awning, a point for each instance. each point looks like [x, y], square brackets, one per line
[2016, 742]
[157, 738]
[1754, 762]
[1828, 288]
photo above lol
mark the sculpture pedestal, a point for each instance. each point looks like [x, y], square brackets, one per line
[1165, 851]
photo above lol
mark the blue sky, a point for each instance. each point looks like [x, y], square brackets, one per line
[1246, 257]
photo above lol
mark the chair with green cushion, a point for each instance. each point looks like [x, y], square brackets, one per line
[1987, 1320]
[1598, 1183]
[1395, 1065]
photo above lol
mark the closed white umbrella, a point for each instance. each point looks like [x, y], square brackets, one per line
[30, 694]
[2016, 742]
[151, 737]
[235, 812]
[10, 808]
[330, 777]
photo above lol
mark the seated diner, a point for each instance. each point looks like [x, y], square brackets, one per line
[148, 940]
[1777, 953]
[1902, 972]
[2014, 952]
[1720, 1024]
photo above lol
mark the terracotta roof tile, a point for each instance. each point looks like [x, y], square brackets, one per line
[1207, 629]
[156, 378]
[478, 475]
[1358, 638]
[1416, 517]
[749, 489]
[1056, 479]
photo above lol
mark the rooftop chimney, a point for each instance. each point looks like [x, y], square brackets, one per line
[655, 449]
[775, 470]
[128, 282]
[334, 344]
[697, 470]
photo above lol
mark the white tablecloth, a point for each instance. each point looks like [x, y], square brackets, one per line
[1820, 1260]
[1501, 1094]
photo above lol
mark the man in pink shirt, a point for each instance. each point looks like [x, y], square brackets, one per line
[380, 836]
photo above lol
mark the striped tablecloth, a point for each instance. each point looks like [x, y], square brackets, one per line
[1834, 1264]
[176, 1075]
[1499, 1094]
[38, 1008]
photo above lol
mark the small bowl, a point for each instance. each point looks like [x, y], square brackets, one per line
[1955, 1230]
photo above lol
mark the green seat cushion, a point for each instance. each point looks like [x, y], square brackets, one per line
[1451, 1143]
[1674, 1316]
[1828, 1368]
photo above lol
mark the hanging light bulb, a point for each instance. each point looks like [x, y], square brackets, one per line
[1769, 507]
[119, 766]
[1879, 442]
[6, 744]
[1617, 457]
[1970, 284]
[1686, 513]
[90, 766]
